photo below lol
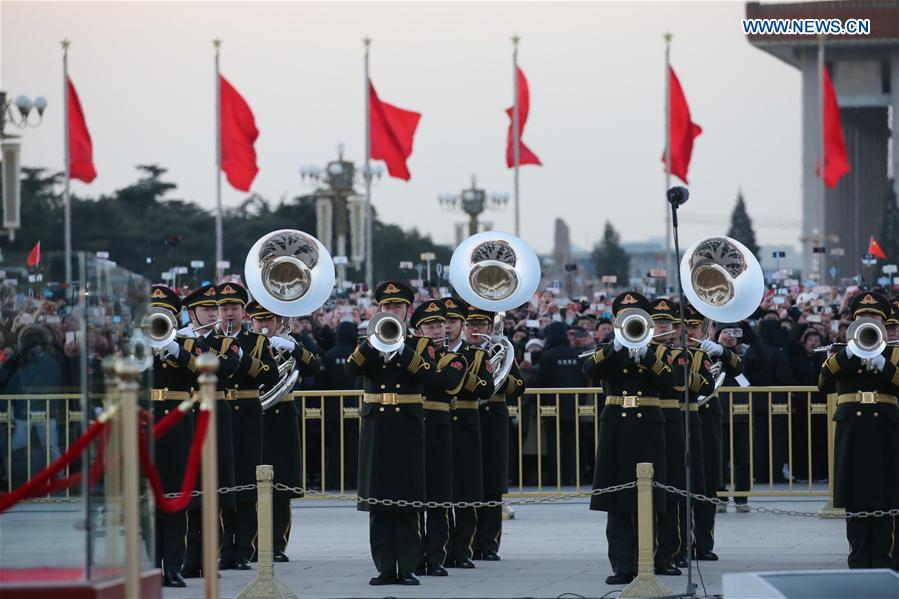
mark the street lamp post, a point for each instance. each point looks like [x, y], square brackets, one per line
[11, 148]
[473, 201]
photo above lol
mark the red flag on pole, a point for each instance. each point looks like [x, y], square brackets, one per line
[238, 135]
[392, 134]
[836, 161]
[683, 129]
[34, 256]
[525, 155]
[874, 249]
[81, 149]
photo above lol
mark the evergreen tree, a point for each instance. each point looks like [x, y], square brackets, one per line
[610, 258]
[889, 231]
[741, 226]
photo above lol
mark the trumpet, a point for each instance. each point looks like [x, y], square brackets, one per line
[387, 334]
[590, 352]
[865, 337]
[634, 330]
[159, 327]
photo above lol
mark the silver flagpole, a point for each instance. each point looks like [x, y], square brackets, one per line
[672, 259]
[821, 156]
[66, 197]
[516, 149]
[369, 267]
[219, 254]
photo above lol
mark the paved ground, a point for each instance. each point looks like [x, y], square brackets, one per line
[547, 550]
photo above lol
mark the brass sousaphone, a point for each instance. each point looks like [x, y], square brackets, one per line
[497, 272]
[290, 273]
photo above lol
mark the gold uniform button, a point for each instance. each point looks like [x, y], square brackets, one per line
[236, 386]
[397, 409]
[624, 414]
[623, 392]
[236, 408]
[383, 386]
[624, 371]
[166, 411]
[859, 370]
[639, 393]
[875, 414]
[164, 365]
[397, 385]
[165, 388]
[381, 409]
[859, 413]
[384, 366]
[487, 408]
[276, 410]
[639, 415]
[455, 417]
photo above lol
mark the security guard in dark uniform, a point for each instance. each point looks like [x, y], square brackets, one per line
[664, 314]
[392, 442]
[201, 336]
[631, 430]
[494, 414]
[257, 368]
[701, 383]
[174, 379]
[445, 381]
[281, 428]
[711, 414]
[866, 441]
[468, 477]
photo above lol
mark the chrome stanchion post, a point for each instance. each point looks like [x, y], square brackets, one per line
[645, 584]
[208, 365]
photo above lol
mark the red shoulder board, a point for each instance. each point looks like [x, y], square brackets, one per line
[431, 351]
[235, 348]
[489, 366]
[456, 364]
[707, 363]
[197, 350]
[670, 359]
[680, 361]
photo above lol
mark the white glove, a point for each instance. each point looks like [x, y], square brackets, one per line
[716, 369]
[640, 353]
[283, 344]
[172, 349]
[616, 345]
[849, 352]
[186, 332]
[711, 348]
[875, 363]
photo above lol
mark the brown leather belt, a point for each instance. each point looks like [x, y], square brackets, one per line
[166, 395]
[497, 399]
[238, 394]
[391, 399]
[464, 404]
[437, 406]
[670, 404]
[223, 396]
[867, 397]
[633, 401]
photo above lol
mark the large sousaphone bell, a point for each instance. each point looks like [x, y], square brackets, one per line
[290, 273]
[497, 272]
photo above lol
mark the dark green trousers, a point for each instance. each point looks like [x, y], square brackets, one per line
[395, 541]
[436, 536]
[490, 527]
[668, 534]
[240, 526]
[193, 555]
[870, 542]
[281, 521]
[465, 527]
[704, 522]
[621, 534]
[171, 540]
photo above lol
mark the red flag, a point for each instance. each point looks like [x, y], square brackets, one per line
[81, 149]
[683, 129]
[874, 249]
[238, 135]
[34, 256]
[525, 155]
[836, 162]
[392, 133]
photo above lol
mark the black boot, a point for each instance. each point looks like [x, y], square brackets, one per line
[173, 579]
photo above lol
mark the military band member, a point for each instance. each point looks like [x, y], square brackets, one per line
[494, 414]
[866, 441]
[631, 430]
[392, 443]
[174, 379]
[257, 369]
[468, 460]
[445, 381]
[664, 314]
[711, 414]
[700, 382]
[281, 443]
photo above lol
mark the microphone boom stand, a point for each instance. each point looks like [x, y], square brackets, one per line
[677, 196]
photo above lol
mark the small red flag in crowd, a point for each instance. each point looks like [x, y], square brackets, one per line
[525, 155]
[836, 161]
[239, 133]
[81, 149]
[34, 256]
[874, 249]
[682, 129]
[392, 134]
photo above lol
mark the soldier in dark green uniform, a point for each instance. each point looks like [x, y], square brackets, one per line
[257, 368]
[174, 379]
[445, 381]
[701, 383]
[866, 441]
[392, 442]
[201, 336]
[631, 430]
[281, 428]
[724, 360]
[494, 414]
[468, 478]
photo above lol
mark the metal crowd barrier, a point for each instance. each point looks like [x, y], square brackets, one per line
[553, 435]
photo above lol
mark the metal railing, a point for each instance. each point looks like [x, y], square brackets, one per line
[553, 436]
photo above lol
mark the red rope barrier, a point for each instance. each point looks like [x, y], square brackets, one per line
[170, 420]
[75, 479]
[40, 479]
[190, 473]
